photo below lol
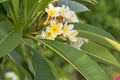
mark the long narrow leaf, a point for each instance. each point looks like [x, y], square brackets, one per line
[100, 39]
[94, 29]
[100, 52]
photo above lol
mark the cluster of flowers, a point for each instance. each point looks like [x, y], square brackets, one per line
[58, 19]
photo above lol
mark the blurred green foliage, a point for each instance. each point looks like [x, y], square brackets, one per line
[105, 14]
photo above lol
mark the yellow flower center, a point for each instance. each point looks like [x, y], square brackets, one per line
[55, 29]
[52, 12]
[48, 35]
[72, 34]
[65, 30]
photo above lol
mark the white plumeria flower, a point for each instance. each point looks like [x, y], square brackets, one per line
[67, 29]
[55, 28]
[79, 43]
[72, 36]
[41, 36]
[72, 17]
[65, 11]
[50, 36]
[53, 11]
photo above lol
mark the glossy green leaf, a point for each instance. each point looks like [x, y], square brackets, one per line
[100, 52]
[93, 29]
[43, 70]
[78, 60]
[9, 42]
[100, 39]
[77, 7]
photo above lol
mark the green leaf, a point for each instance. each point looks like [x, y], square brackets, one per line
[80, 61]
[93, 29]
[4, 29]
[100, 39]
[100, 52]
[15, 5]
[75, 6]
[77, 59]
[9, 42]
[42, 67]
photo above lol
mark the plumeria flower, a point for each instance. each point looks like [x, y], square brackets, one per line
[53, 11]
[55, 28]
[79, 43]
[72, 17]
[41, 36]
[67, 29]
[50, 36]
[72, 36]
[64, 11]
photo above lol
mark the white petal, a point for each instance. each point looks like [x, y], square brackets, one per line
[61, 25]
[75, 32]
[72, 38]
[38, 36]
[70, 26]
[43, 35]
[48, 29]
[50, 6]
[46, 9]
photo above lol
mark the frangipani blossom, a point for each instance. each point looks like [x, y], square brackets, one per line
[52, 11]
[50, 36]
[41, 36]
[79, 43]
[55, 28]
[72, 17]
[67, 29]
[64, 11]
[57, 20]
[72, 36]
